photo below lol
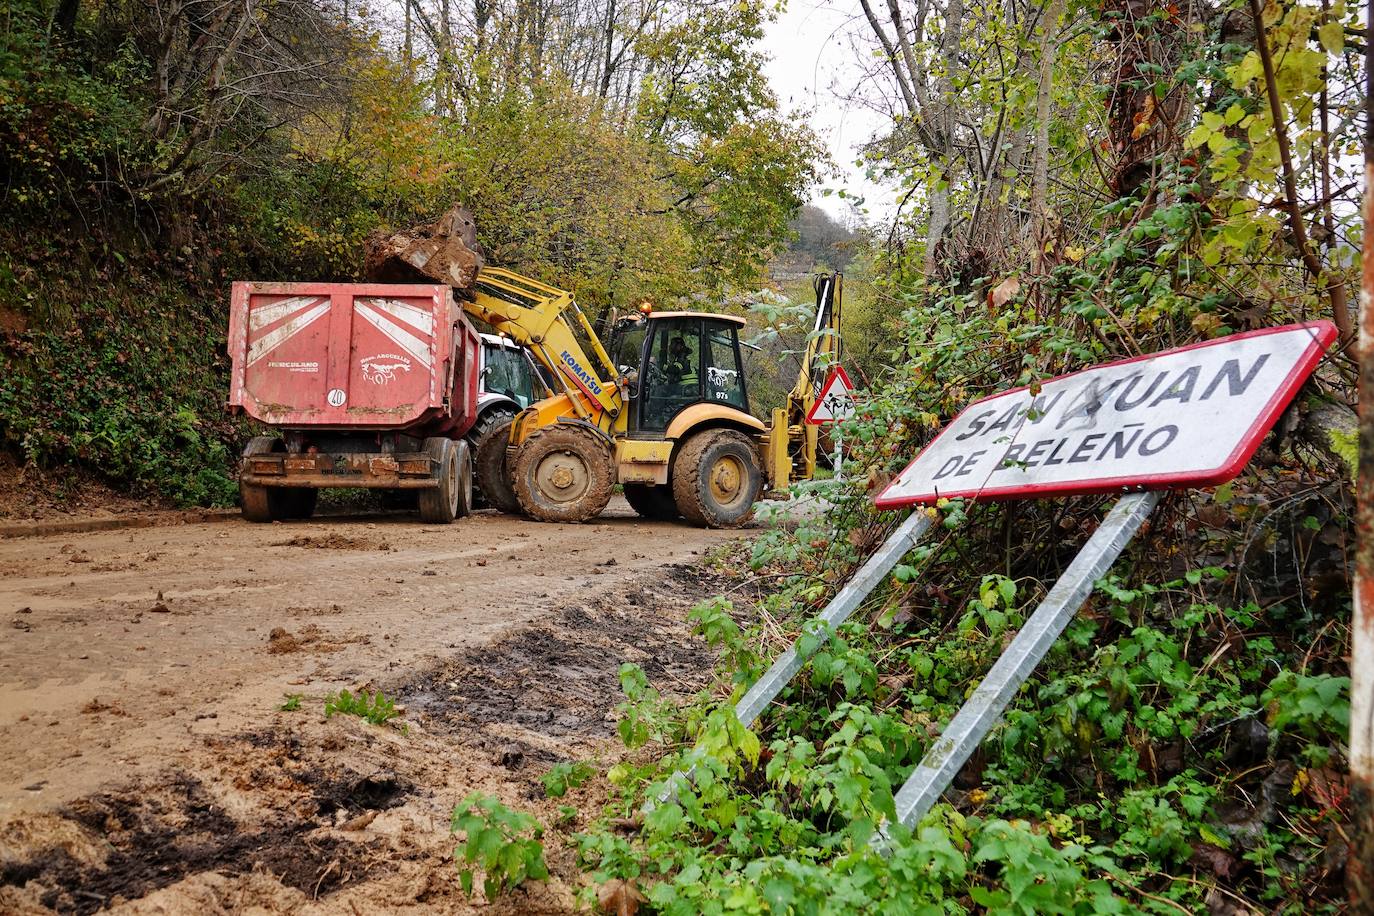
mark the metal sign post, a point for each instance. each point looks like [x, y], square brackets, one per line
[833, 404]
[845, 602]
[983, 709]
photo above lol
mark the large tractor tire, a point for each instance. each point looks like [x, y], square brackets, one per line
[489, 439]
[651, 501]
[273, 504]
[563, 474]
[716, 479]
[452, 498]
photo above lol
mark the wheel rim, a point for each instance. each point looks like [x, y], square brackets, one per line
[728, 480]
[452, 475]
[562, 477]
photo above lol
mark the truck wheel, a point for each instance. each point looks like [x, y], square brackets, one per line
[489, 439]
[264, 504]
[651, 501]
[463, 457]
[716, 479]
[563, 474]
[439, 505]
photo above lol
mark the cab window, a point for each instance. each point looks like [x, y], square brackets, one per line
[508, 372]
[724, 380]
[671, 377]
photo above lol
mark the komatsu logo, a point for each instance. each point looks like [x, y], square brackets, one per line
[579, 374]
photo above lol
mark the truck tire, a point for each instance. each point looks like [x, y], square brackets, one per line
[452, 498]
[489, 439]
[716, 479]
[463, 455]
[651, 501]
[273, 504]
[563, 473]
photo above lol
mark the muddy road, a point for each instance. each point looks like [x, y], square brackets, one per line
[146, 764]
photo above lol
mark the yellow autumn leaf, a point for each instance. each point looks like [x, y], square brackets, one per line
[1332, 37]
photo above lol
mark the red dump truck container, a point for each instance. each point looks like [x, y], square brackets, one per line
[370, 385]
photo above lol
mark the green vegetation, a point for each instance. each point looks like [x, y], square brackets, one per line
[150, 157]
[502, 843]
[564, 776]
[374, 708]
[291, 702]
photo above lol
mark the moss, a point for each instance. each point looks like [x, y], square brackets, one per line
[1346, 446]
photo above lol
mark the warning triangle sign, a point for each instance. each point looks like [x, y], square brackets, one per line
[836, 401]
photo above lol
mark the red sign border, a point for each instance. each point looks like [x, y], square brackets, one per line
[1325, 334]
[829, 380]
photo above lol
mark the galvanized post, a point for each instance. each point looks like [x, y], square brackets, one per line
[845, 602]
[983, 709]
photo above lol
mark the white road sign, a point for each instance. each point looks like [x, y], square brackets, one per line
[836, 401]
[1186, 417]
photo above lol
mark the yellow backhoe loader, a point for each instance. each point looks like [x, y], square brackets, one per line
[662, 409]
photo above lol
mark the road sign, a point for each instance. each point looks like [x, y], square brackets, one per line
[836, 401]
[1186, 417]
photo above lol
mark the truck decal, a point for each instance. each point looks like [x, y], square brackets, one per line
[382, 368]
[303, 310]
[370, 311]
[416, 317]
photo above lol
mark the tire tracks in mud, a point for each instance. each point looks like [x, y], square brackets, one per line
[335, 816]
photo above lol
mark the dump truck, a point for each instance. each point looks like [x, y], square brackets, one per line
[369, 385]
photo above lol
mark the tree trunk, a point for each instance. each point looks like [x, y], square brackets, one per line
[1044, 96]
[409, 49]
[943, 157]
[1148, 38]
[1360, 868]
[64, 17]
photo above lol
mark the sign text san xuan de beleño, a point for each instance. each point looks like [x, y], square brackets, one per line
[1186, 417]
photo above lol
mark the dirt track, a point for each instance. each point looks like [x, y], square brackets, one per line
[143, 756]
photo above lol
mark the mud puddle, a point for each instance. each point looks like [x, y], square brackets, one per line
[287, 817]
[561, 678]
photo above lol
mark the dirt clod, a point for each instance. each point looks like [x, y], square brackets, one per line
[334, 542]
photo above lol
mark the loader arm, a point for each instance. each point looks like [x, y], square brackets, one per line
[542, 318]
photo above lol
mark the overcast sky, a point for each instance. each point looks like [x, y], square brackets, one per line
[816, 48]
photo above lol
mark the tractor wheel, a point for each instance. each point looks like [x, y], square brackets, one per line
[563, 474]
[489, 439]
[716, 479]
[452, 498]
[651, 501]
[272, 504]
